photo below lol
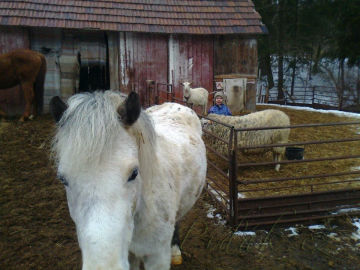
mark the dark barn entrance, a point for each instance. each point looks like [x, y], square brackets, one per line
[94, 64]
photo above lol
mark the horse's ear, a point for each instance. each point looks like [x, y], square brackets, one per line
[129, 112]
[57, 108]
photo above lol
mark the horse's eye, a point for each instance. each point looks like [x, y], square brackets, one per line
[63, 180]
[133, 175]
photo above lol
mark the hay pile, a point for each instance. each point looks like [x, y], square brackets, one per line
[313, 151]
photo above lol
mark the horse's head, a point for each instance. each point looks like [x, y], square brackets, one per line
[98, 161]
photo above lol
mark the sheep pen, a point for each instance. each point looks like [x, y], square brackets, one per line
[195, 96]
[266, 118]
[248, 175]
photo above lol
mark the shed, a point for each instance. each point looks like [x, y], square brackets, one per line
[114, 44]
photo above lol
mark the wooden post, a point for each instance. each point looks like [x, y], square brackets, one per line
[232, 178]
[313, 95]
[156, 94]
[149, 85]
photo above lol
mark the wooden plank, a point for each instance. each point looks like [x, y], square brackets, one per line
[143, 57]
[191, 59]
[235, 55]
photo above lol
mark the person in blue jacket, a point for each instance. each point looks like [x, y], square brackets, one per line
[219, 107]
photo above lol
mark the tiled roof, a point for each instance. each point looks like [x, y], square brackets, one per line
[157, 16]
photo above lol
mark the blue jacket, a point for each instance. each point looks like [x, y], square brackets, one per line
[222, 109]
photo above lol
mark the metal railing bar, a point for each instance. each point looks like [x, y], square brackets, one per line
[217, 121]
[296, 186]
[213, 165]
[344, 190]
[300, 126]
[216, 153]
[300, 143]
[297, 161]
[213, 181]
[224, 207]
[293, 220]
[222, 196]
[286, 213]
[281, 179]
[298, 203]
[215, 136]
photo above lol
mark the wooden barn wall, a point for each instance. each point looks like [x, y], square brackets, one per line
[12, 99]
[191, 59]
[236, 57]
[142, 57]
[69, 63]
[114, 59]
[48, 42]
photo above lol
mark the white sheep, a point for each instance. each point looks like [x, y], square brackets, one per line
[266, 118]
[195, 96]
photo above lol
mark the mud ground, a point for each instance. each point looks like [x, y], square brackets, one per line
[36, 231]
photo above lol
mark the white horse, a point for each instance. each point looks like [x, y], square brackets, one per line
[129, 175]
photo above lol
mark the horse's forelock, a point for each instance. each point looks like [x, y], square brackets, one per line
[90, 127]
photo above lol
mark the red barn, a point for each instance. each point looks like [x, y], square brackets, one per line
[114, 44]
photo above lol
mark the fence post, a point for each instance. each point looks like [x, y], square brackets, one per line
[313, 95]
[150, 84]
[233, 177]
[172, 93]
[156, 93]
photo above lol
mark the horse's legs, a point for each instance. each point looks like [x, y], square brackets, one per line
[159, 260]
[134, 262]
[28, 90]
[277, 157]
[176, 258]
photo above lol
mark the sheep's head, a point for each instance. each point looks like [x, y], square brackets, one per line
[186, 86]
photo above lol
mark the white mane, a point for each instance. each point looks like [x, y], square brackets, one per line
[90, 126]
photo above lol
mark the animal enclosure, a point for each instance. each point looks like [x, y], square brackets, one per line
[326, 180]
[251, 193]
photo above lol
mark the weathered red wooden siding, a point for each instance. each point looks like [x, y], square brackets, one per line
[236, 57]
[12, 99]
[191, 59]
[142, 57]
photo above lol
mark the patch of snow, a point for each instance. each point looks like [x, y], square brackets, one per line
[336, 112]
[347, 210]
[356, 223]
[241, 233]
[316, 227]
[242, 196]
[210, 213]
[292, 231]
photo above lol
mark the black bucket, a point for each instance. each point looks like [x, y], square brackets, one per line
[294, 153]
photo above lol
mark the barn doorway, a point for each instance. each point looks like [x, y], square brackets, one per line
[93, 58]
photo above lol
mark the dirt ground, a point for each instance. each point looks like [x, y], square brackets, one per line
[36, 231]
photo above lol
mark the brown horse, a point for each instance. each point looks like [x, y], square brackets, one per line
[25, 68]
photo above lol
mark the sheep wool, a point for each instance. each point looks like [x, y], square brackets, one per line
[266, 118]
